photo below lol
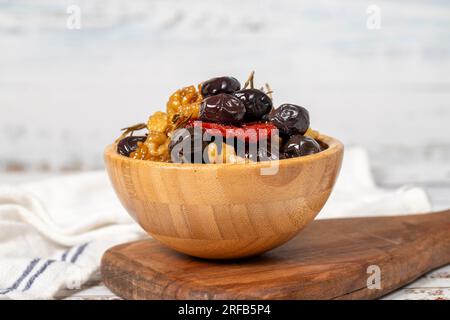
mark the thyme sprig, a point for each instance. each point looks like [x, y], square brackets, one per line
[250, 80]
[130, 130]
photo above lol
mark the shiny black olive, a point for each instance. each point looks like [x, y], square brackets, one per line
[298, 145]
[257, 103]
[129, 144]
[220, 85]
[187, 145]
[222, 108]
[290, 119]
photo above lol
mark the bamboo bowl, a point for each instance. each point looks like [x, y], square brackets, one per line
[222, 211]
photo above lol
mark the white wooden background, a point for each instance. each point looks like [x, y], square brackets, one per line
[65, 93]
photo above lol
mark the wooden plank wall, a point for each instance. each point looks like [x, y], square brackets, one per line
[64, 93]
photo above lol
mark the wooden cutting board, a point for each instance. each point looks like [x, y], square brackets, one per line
[329, 259]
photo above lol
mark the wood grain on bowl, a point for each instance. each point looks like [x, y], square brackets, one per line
[355, 258]
[225, 210]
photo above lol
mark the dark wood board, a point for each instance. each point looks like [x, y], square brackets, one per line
[329, 259]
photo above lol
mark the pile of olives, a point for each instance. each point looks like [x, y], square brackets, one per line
[225, 103]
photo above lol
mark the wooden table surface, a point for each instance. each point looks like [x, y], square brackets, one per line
[432, 286]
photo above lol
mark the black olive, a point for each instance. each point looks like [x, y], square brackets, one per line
[290, 119]
[222, 108]
[298, 145]
[187, 145]
[220, 85]
[257, 103]
[129, 144]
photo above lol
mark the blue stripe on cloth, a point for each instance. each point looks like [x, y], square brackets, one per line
[24, 274]
[64, 255]
[37, 274]
[78, 252]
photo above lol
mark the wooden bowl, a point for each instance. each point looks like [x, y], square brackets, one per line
[223, 211]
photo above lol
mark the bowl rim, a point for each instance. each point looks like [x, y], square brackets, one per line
[334, 146]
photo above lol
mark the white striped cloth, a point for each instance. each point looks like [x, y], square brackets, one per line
[54, 232]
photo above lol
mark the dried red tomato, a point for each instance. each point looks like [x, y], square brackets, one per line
[251, 132]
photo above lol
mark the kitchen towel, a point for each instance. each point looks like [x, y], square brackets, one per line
[54, 232]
